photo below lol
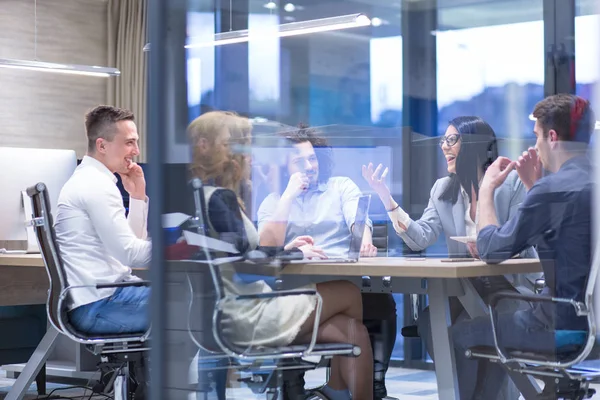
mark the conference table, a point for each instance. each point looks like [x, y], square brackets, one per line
[24, 281]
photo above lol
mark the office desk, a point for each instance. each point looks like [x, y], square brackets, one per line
[440, 280]
[24, 280]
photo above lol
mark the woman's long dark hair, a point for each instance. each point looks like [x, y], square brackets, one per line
[478, 150]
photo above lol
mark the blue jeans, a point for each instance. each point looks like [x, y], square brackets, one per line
[126, 311]
[519, 330]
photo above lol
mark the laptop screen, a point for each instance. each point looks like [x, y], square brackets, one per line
[362, 212]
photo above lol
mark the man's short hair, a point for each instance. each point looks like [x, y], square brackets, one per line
[323, 151]
[100, 121]
[570, 116]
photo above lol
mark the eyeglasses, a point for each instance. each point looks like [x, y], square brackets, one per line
[450, 140]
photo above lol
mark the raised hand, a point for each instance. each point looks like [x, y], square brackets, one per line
[497, 172]
[376, 179]
[297, 184]
[529, 168]
[134, 181]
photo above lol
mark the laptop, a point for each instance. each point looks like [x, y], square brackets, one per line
[360, 222]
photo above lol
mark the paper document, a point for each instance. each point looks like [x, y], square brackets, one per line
[174, 220]
[464, 239]
[195, 239]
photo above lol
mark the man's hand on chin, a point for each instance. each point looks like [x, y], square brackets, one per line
[134, 181]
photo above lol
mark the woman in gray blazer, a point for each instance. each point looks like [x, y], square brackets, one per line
[469, 146]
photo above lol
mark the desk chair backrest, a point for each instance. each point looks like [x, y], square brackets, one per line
[592, 297]
[591, 301]
[206, 286]
[44, 229]
[380, 237]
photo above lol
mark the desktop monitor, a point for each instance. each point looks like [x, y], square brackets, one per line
[22, 168]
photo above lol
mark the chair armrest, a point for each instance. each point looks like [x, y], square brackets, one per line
[278, 293]
[495, 298]
[122, 284]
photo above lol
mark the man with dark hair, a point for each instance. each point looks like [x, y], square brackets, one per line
[98, 244]
[99, 123]
[556, 217]
[314, 203]
[320, 209]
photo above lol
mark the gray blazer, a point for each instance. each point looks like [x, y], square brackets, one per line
[443, 216]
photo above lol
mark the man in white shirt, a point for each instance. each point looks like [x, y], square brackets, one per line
[98, 243]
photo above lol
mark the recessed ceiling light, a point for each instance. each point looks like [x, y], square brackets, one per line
[376, 21]
[289, 7]
[270, 5]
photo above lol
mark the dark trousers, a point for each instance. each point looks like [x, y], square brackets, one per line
[516, 330]
[379, 316]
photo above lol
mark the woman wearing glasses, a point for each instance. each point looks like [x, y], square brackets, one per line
[469, 146]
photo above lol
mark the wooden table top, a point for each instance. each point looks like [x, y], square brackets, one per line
[21, 260]
[379, 266]
[416, 268]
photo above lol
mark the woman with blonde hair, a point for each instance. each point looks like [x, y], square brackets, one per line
[220, 142]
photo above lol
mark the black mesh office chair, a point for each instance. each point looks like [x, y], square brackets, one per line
[269, 367]
[120, 353]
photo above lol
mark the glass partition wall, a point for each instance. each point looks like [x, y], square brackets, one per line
[379, 80]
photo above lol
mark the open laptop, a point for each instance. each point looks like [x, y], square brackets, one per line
[360, 222]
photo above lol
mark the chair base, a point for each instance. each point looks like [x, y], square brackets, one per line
[566, 389]
[122, 374]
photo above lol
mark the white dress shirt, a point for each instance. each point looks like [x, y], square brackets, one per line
[98, 244]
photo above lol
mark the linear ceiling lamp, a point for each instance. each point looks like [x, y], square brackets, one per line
[74, 69]
[283, 30]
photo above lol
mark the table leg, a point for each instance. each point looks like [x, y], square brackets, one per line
[445, 365]
[33, 366]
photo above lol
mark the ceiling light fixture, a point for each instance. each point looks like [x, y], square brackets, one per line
[285, 30]
[289, 7]
[74, 69]
[270, 5]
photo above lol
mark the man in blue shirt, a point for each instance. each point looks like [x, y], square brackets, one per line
[321, 208]
[555, 216]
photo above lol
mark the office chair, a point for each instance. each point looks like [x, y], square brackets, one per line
[121, 354]
[559, 369]
[268, 367]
